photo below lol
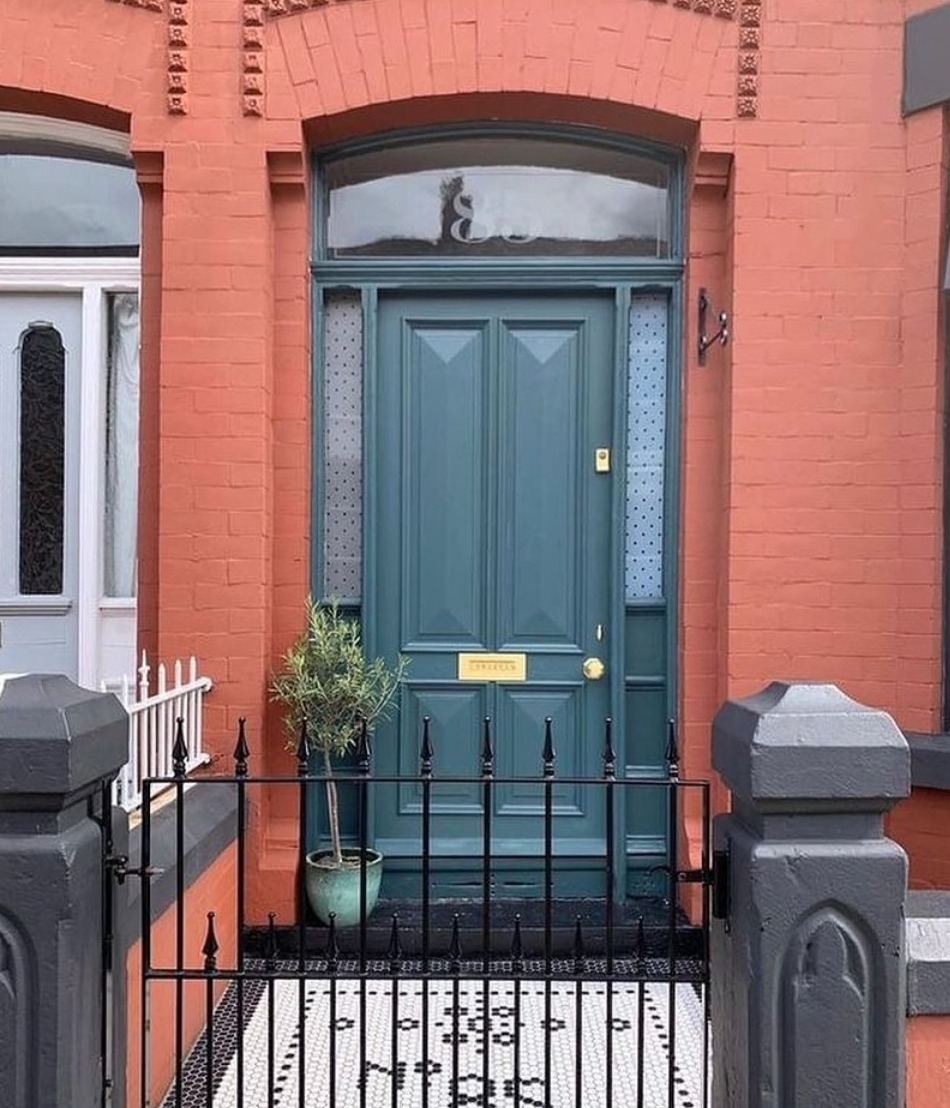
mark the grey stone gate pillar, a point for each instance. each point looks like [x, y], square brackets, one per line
[58, 743]
[807, 972]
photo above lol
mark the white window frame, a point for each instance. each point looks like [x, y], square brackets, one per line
[93, 279]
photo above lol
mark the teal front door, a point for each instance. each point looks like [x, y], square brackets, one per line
[491, 535]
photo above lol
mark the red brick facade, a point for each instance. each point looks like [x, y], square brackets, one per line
[811, 530]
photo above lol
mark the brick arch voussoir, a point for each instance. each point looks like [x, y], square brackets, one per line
[88, 61]
[55, 106]
[724, 9]
[337, 60]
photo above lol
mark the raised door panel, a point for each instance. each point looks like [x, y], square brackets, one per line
[444, 541]
[455, 716]
[540, 488]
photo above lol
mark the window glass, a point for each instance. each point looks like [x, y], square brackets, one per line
[122, 445]
[42, 461]
[49, 203]
[497, 196]
[343, 445]
[646, 446]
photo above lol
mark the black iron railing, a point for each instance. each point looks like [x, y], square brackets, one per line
[546, 1002]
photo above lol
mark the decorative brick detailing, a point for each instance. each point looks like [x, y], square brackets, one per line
[750, 42]
[725, 9]
[288, 7]
[178, 41]
[151, 5]
[252, 80]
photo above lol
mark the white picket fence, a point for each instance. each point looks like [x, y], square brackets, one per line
[153, 724]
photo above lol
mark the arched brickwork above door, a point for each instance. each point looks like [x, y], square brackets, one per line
[648, 53]
[644, 54]
[89, 61]
[651, 53]
[725, 9]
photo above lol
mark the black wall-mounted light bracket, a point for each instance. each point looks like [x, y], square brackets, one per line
[721, 336]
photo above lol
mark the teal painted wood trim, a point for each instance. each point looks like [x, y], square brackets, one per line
[370, 374]
[645, 844]
[678, 207]
[499, 273]
[617, 630]
[317, 440]
[645, 640]
[651, 772]
[370, 458]
[676, 369]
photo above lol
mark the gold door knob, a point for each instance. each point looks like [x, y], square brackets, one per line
[593, 669]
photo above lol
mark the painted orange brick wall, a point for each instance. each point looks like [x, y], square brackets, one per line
[810, 539]
[213, 891]
[920, 825]
[928, 1061]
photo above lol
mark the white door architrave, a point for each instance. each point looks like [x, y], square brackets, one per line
[92, 280]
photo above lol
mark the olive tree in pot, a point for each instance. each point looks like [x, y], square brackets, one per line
[328, 686]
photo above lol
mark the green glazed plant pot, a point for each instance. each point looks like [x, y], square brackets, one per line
[338, 890]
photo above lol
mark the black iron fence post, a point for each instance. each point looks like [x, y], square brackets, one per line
[808, 971]
[59, 745]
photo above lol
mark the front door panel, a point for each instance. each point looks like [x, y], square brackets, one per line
[493, 534]
[39, 399]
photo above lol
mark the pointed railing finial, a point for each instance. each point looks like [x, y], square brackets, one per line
[517, 948]
[672, 750]
[303, 750]
[579, 952]
[333, 947]
[548, 755]
[363, 750]
[180, 749]
[427, 751]
[488, 754]
[270, 943]
[610, 758]
[210, 948]
[241, 751]
[455, 946]
[394, 954]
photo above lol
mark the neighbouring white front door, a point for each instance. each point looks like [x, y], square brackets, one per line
[40, 368]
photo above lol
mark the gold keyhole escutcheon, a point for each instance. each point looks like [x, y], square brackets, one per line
[593, 669]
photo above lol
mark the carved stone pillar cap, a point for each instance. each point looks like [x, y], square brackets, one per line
[56, 738]
[809, 742]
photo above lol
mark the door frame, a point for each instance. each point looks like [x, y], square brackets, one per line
[92, 279]
[569, 275]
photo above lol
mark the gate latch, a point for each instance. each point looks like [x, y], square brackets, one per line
[118, 866]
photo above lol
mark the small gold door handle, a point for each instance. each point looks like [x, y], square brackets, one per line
[593, 669]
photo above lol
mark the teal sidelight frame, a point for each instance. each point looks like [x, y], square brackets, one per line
[624, 279]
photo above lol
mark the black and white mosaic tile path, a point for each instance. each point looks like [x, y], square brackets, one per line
[465, 1030]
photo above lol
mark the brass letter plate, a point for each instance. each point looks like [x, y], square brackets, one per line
[493, 667]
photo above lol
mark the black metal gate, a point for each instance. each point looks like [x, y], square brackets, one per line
[537, 1003]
